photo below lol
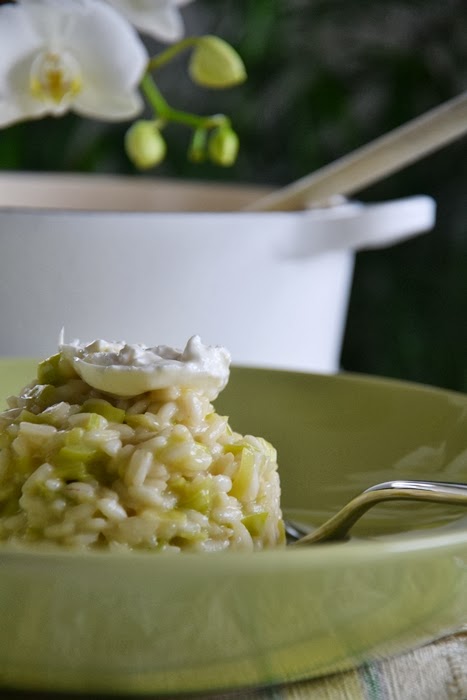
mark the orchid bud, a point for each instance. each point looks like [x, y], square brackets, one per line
[197, 149]
[144, 144]
[216, 64]
[223, 146]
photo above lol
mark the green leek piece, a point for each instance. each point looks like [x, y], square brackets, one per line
[235, 448]
[140, 420]
[74, 436]
[177, 484]
[242, 479]
[255, 523]
[105, 409]
[28, 417]
[44, 395]
[197, 498]
[93, 421]
[74, 471]
[47, 396]
[47, 371]
[72, 454]
[37, 418]
[192, 495]
[54, 370]
[72, 462]
[75, 462]
[185, 538]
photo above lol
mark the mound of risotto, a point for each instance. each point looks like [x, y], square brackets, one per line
[118, 446]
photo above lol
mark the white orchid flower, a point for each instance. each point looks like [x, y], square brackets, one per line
[158, 18]
[57, 55]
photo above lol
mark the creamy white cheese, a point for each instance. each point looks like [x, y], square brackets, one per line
[129, 370]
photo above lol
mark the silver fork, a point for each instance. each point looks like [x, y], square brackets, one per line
[339, 525]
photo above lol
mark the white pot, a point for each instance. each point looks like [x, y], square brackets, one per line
[155, 262]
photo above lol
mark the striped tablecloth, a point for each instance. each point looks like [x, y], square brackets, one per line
[437, 671]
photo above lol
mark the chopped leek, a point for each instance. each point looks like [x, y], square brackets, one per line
[105, 409]
[255, 523]
[54, 370]
[242, 479]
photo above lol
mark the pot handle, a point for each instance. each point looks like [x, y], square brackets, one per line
[364, 226]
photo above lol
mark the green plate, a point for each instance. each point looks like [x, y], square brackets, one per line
[145, 623]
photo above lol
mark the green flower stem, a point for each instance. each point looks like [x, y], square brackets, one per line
[170, 53]
[154, 96]
[167, 113]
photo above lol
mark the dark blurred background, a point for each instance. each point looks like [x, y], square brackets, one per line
[325, 76]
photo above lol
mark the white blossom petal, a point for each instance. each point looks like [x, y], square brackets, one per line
[111, 106]
[78, 54]
[18, 43]
[158, 18]
[18, 37]
[113, 60]
[51, 19]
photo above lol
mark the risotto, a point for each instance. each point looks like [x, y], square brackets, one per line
[87, 463]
